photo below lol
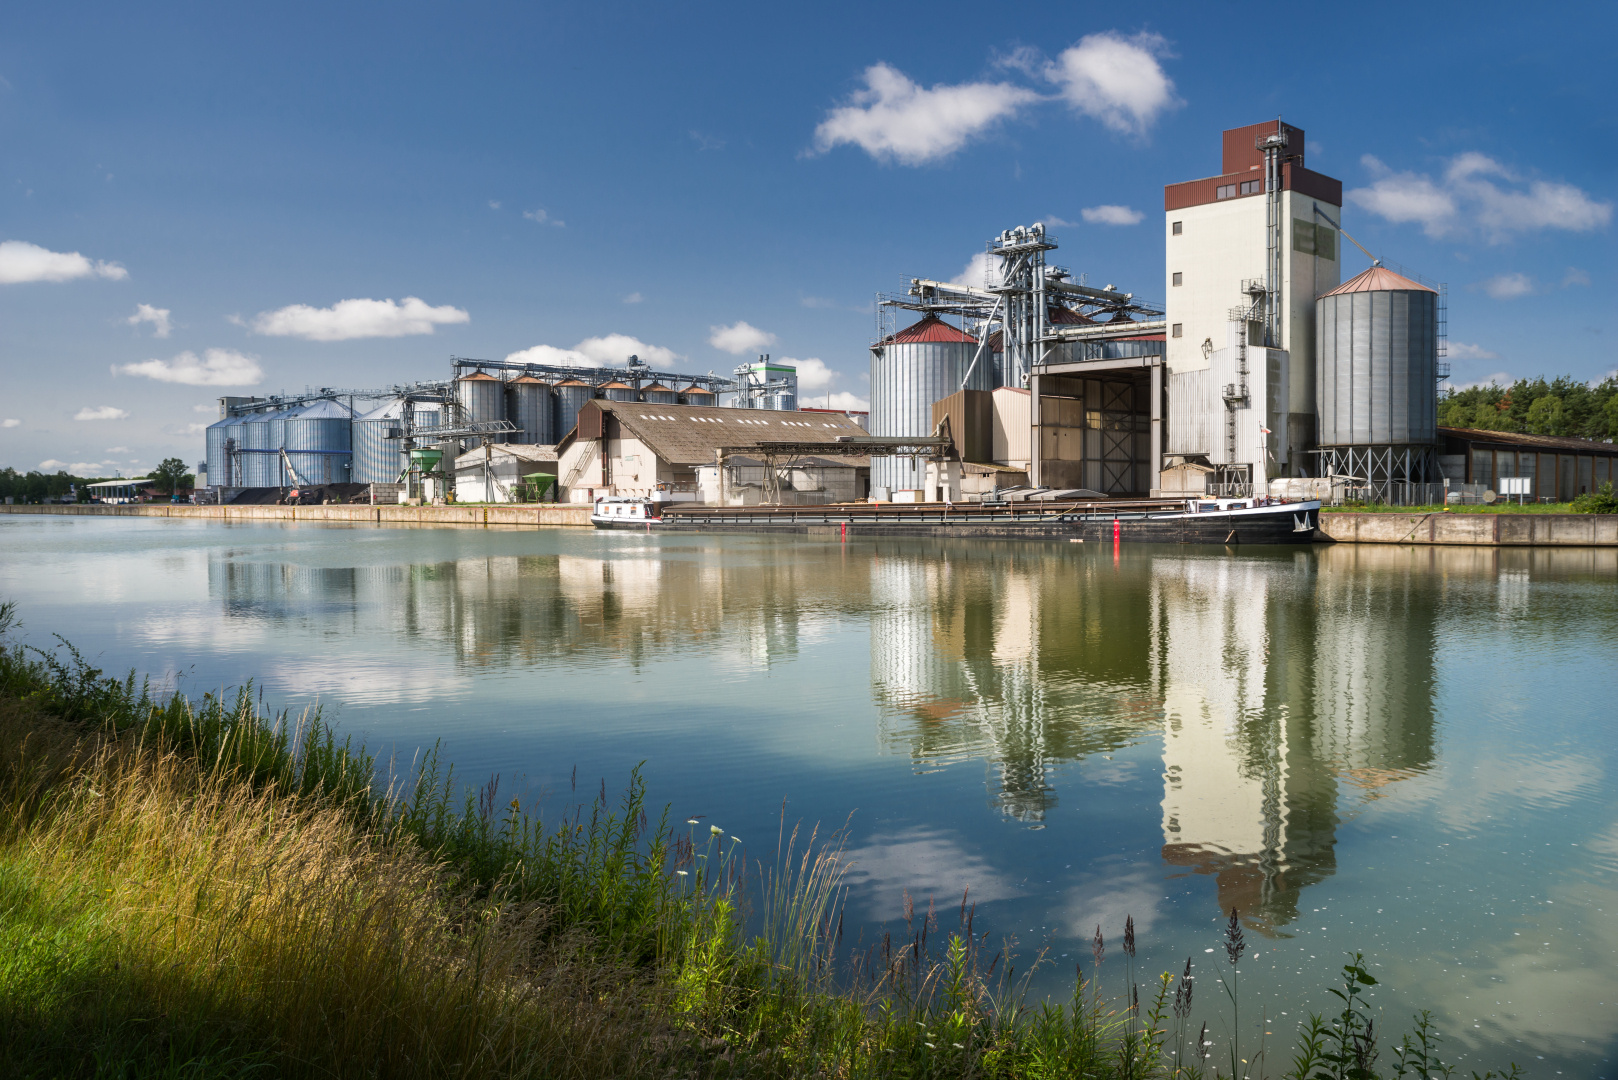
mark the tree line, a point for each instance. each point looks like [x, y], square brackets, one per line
[35, 486]
[1562, 406]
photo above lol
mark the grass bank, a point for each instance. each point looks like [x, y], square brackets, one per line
[198, 888]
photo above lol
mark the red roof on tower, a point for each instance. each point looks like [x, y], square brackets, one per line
[932, 328]
[1379, 279]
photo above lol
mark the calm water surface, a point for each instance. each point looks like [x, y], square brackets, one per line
[1402, 751]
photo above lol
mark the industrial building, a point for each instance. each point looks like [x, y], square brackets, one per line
[1261, 370]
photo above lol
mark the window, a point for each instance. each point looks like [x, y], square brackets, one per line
[1176, 330]
[1179, 278]
[1178, 227]
[1225, 191]
[1252, 187]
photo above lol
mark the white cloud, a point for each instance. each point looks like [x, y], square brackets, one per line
[117, 449]
[896, 119]
[1112, 215]
[982, 271]
[79, 468]
[1115, 79]
[842, 399]
[634, 298]
[101, 412]
[1478, 193]
[208, 408]
[1575, 276]
[10, 423]
[813, 374]
[494, 204]
[21, 261]
[609, 350]
[1508, 286]
[1460, 350]
[217, 367]
[739, 338]
[349, 319]
[540, 217]
[157, 316]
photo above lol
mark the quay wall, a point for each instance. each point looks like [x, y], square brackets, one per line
[1476, 530]
[531, 514]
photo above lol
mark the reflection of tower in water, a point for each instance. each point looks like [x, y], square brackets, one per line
[1280, 679]
[976, 656]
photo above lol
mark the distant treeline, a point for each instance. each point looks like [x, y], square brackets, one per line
[35, 486]
[1564, 406]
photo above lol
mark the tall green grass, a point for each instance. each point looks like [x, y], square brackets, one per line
[206, 888]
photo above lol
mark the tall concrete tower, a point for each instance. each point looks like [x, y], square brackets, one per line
[1247, 253]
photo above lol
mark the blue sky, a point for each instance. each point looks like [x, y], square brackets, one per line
[189, 194]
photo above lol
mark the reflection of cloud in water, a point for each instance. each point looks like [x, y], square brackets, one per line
[200, 631]
[925, 862]
[351, 681]
[1111, 891]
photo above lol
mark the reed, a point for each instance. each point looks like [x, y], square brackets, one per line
[210, 889]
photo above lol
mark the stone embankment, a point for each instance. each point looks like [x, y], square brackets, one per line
[1477, 530]
[513, 514]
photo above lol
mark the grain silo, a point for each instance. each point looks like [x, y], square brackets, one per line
[1376, 370]
[698, 395]
[483, 399]
[909, 371]
[570, 396]
[220, 440]
[257, 443]
[618, 391]
[377, 458]
[658, 394]
[317, 439]
[528, 405]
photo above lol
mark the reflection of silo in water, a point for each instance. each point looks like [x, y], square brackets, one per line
[1254, 668]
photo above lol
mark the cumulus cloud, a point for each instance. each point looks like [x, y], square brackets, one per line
[1477, 193]
[895, 119]
[540, 217]
[634, 298]
[608, 350]
[1508, 286]
[1115, 79]
[813, 374]
[101, 412]
[157, 316]
[216, 367]
[842, 399]
[982, 271]
[1575, 276]
[739, 338]
[8, 422]
[80, 468]
[1111, 215]
[350, 319]
[1460, 350]
[21, 262]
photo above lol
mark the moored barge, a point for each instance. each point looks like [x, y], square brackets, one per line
[1194, 521]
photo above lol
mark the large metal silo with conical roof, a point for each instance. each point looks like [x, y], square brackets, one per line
[910, 370]
[571, 395]
[528, 405]
[1376, 371]
[318, 442]
[482, 399]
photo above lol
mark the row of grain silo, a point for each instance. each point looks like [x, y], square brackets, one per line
[544, 412]
[255, 449]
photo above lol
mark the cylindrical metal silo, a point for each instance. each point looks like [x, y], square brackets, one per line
[697, 395]
[218, 434]
[528, 405]
[618, 391]
[377, 458]
[909, 371]
[1376, 362]
[318, 441]
[659, 394]
[253, 441]
[482, 398]
[571, 396]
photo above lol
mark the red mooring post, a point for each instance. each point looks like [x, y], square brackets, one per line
[1115, 536]
[845, 532]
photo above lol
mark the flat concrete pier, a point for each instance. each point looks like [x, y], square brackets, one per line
[1476, 530]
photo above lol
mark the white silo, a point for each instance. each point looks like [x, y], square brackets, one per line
[909, 371]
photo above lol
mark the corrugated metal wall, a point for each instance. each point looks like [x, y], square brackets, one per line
[1191, 417]
[318, 441]
[570, 397]
[1376, 356]
[528, 405]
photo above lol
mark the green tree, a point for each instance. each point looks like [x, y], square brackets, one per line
[169, 475]
[1545, 416]
[1610, 415]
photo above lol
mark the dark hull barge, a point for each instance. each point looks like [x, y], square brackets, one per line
[1218, 522]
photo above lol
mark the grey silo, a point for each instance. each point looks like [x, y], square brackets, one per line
[482, 398]
[618, 391]
[376, 457]
[571, 396]
[1376, 362]
[215, 439]
[318, 441]
[528, 405]
[698, 395]
[909, 371]
[658, 394]
[252, 444]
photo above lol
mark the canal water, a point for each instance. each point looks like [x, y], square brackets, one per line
[1407, 752]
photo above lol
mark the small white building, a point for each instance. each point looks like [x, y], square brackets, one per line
[492, 473]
